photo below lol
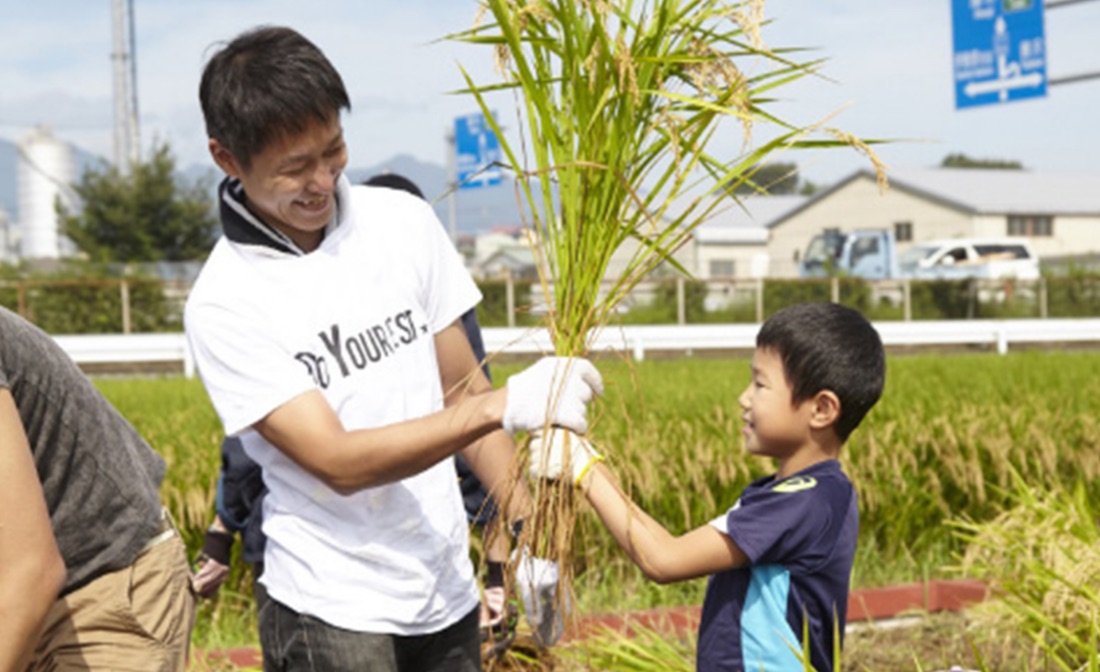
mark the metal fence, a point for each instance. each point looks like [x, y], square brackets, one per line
[143, 306]
[127, 351]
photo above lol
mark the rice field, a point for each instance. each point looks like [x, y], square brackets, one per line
[944, 443]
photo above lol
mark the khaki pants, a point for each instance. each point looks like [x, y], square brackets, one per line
[137, 619]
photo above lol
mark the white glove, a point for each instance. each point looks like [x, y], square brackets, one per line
[537, 580]
[561, 452]
[209, 577]
[553, 390]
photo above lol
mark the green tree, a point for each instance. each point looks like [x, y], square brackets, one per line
[771, 178]
[960, 160]
[147, 215]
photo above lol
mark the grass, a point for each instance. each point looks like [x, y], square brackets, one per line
[944, 443]
[1041, 558]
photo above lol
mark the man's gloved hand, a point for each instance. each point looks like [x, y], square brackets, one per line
[213, 563]
[553, 390]
[537, 581]
[561, 452]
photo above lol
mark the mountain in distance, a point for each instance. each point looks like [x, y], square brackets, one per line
[476, 210]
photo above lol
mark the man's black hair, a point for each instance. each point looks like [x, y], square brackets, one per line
[394, 181]
[267, 83]
[826, 346]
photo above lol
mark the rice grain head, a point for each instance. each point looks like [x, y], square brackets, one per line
[479, 17]
[750, 19]
[628, 75]
[862, 147]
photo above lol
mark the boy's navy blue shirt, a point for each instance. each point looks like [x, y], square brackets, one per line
[799, 534]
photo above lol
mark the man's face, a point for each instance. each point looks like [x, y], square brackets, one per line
[291, 184]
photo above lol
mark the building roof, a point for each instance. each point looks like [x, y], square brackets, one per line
[513, 256]
[746, 220]
[984, 191]
[987, 191]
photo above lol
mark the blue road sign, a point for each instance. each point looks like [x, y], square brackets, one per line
[476, 149]
[1000, 51]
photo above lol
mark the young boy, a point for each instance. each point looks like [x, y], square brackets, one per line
[781, 557]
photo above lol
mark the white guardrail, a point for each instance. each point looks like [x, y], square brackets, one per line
[134, 349]
[107, 349]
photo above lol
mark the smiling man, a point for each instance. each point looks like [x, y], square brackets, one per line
[326, 328]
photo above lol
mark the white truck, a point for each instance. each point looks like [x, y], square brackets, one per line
[982, 258]
[873, 254]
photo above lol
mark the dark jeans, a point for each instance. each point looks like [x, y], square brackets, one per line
[293, 642]
[259, 593]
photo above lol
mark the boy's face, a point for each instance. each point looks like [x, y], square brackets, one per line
[774, 427]
[291, 184]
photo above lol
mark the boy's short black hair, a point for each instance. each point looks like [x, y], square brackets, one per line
[267, 83]
[827, 346]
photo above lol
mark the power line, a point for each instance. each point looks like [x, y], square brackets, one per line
[1081, 76]
[1055, 4]
[66, 126]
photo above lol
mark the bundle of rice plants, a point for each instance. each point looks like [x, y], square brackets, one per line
[617, 103]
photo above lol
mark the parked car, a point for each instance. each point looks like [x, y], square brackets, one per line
[872, 254]
[983, 258]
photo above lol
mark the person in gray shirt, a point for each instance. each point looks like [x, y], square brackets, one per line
[94, 576]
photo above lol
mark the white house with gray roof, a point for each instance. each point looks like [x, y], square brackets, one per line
[734, 243]
[731, 243]
[1058, 213]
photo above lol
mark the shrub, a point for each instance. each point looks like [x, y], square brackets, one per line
[88, 299]
[493, 309]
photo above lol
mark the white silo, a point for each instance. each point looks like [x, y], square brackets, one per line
[45, 173]
[7, 242]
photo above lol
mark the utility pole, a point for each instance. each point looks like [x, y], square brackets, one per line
[127, 139]
[452, 186]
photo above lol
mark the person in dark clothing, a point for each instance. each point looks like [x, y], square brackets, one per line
[85, 544]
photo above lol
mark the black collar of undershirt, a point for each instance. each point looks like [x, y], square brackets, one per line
[243, 226]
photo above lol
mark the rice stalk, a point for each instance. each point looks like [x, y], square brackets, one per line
[1041, 560]
[617, 103]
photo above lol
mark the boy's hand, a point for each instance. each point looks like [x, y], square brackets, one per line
[561, 452]
[210, 576]
[213, 562]
[554, 391]
[537, 581]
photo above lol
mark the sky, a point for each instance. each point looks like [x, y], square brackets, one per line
[888, 69]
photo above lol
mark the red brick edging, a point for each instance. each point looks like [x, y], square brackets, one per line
[865, 604]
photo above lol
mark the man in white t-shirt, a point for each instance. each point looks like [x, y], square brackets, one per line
[325, 325]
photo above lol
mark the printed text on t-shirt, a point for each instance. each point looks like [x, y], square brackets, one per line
[355, 351]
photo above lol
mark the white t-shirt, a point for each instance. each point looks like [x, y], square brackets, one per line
[355, 319]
